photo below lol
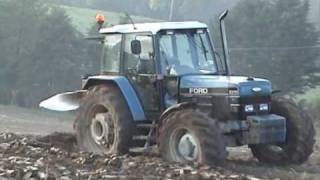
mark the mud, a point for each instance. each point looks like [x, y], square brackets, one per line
[42, 154]
[56, 157]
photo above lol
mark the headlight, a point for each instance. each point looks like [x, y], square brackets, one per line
[264, 107]
[249, 108]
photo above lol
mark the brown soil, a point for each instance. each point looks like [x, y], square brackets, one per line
[47, 155]
[56, 157]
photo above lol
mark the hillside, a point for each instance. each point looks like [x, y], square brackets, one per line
[83, 18]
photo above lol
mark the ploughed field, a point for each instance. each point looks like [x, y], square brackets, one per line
[29, 149]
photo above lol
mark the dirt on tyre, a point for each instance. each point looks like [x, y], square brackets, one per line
[104, 124]
[299, 141]
[189, 136]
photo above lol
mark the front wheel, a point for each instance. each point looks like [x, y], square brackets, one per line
[188, 136]
[299, 141]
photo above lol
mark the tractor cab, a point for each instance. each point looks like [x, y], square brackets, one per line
[154, 55]
[169, 63]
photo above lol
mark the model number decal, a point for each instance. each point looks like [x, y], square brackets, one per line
[198, 90]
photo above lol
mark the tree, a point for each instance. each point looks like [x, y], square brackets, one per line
[273, 39]
[201, 10]
[18, 24]
[40, 52]
[54, 65]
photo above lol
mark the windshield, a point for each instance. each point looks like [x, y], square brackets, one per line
[186, 52]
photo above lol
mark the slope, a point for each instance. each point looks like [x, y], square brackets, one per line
[83, 18]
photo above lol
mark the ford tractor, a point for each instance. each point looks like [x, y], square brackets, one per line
[164, 84]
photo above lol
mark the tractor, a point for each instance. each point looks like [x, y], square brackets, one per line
[164, 84]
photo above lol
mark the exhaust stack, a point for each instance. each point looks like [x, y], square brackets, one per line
[224, 42]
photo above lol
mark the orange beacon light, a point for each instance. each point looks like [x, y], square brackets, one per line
[100, 19]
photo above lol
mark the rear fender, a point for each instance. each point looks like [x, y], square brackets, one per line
[126, 89]
[71, 100]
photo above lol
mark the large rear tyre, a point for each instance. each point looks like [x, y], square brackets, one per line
[104, 124]
[299, 141]
[188, 136]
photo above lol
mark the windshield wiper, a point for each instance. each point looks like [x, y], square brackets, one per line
[202, 47]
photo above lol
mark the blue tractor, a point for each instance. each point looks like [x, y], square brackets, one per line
[163, 83]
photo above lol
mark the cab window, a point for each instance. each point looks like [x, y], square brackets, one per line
[139, 63]
[111, 53]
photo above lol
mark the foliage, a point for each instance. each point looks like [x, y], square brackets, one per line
[40, 52]
[82, 18]
[202, 10]
[273, 39]
[158, 9]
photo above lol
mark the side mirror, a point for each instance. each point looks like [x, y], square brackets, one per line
[136, 47]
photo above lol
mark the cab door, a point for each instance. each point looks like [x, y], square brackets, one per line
[139, 68]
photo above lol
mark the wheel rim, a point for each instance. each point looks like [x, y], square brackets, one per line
[102, 129]
[184, 145]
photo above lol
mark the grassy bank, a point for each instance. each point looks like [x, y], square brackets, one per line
[83, 18]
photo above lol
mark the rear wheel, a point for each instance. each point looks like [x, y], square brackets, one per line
[104, 123]
[299, 141]
[188, 136]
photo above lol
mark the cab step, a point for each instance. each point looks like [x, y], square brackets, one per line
[140, 137]
[144, 138]
[146, 126]
[139, 150]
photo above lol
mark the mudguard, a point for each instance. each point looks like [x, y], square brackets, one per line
[176, 107]
[126, 89]
[70, 101]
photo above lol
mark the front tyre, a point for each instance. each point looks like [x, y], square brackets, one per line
[104, 124]
[300, 136]
[188, 136]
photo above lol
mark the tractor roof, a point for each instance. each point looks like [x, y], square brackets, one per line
[152, 27]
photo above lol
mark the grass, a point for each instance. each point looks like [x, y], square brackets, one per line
[83, 18]
[311, 96]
